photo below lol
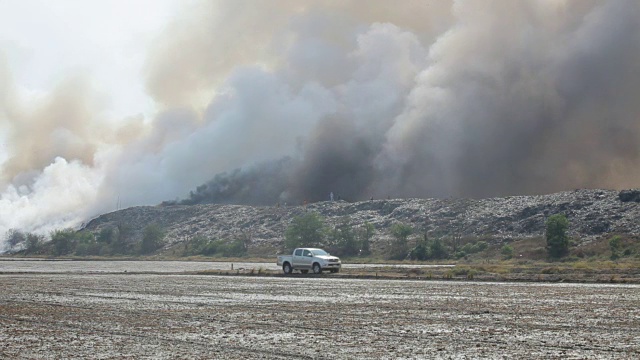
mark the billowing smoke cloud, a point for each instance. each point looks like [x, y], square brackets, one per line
[260, 102]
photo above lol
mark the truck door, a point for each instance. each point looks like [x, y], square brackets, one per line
[307, 259]
[297, 258]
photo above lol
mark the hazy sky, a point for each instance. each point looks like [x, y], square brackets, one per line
[46, 41]
[122, 103]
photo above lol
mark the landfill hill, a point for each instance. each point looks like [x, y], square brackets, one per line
[592, 214]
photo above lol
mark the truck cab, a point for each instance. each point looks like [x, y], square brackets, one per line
[305, 259]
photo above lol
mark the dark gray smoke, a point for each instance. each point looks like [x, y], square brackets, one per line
[513, 98]
[262, 184]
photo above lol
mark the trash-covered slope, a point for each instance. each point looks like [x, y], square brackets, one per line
[591, 213]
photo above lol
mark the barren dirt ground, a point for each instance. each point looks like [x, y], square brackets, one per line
[168, 316]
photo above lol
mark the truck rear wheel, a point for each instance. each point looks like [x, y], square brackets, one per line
[316, 268]
[286, 268]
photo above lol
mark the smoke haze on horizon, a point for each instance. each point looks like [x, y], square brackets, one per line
[257, 102]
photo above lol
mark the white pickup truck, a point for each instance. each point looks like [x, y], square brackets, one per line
[305, 259]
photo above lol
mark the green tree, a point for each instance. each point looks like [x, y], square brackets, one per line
[438, 251]
[15, 237]
[86, 244]
[196, 246]
[63, 241]
[364, 234]
[556, 234]
[33, 243]
[344, 239]
[306, 230]
[107, 235]
[421, 251]
[399, 247]
[152, 239]
[234, 248]
[122, 239]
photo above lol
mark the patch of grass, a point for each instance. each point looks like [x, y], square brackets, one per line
[550, 270]
[448, 275]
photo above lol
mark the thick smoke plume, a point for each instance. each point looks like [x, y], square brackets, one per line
[285, 101]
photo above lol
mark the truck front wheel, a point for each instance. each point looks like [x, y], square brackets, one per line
[286, 268]
[316, 268]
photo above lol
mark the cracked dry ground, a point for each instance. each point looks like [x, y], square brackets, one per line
[216, 317]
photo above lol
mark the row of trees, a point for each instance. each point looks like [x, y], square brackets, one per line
[118, 240]
[347, 239]
[344, 239]
[309, 230]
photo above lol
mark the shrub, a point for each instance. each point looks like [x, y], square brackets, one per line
[507, 251]
[477, 247]
[482, 246]
[556, 234]
[200, 245]
[614, 246]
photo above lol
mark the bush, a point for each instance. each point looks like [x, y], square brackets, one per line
[614, 246]
[481, 246]
[556, 234]
[507, 251]
[477, 247]
[200, 245]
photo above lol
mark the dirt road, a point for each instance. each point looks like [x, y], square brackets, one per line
[54, 316]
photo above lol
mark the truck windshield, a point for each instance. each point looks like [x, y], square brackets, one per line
[318, 252]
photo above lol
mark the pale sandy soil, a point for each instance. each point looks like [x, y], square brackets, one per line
[167, 316]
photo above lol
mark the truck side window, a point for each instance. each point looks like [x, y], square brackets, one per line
[307, 253]
[298, 252]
